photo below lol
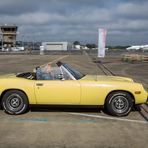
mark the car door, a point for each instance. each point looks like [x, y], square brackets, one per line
[57, 91]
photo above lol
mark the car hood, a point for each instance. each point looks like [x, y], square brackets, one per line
[7, 76]
[107, 78]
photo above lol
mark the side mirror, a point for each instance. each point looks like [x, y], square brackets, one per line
[60, 77]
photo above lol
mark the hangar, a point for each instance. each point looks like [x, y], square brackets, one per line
[50, 46]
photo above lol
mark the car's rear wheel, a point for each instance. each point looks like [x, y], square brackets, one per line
[15, 102]
[119, 103]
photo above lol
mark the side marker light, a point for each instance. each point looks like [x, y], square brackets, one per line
[137, 92]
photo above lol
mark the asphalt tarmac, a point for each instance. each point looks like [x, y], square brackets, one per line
[72, 128]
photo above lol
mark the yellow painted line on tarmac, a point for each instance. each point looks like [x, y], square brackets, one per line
[109, 118]
[58, 59]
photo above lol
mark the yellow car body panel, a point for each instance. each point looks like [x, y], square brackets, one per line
[100, 86]
[25, 85]
[90, 90]
[57, 92]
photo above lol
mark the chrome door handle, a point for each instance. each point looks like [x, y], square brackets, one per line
[39, 84]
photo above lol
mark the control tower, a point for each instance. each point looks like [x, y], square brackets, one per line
[8, 34]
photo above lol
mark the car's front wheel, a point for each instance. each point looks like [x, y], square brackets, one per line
[119, 103]
[15, 102]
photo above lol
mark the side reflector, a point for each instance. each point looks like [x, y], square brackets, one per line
[137, 92]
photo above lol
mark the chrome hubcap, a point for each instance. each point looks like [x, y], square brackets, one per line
[120, 104]
[14, 102]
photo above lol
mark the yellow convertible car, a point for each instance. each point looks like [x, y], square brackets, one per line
[63, 85]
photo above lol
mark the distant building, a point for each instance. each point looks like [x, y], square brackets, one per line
[56, 46]
[8, 33]
[77, 47]
[84, 47]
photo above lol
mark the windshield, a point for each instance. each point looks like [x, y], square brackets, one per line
[78, 75]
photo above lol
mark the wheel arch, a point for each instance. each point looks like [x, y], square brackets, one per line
[132, 96]
[2, 94]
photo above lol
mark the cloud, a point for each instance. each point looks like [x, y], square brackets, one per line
[133, 11]
[58, 20]
[37, 18]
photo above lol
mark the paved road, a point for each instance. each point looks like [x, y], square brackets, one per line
[61, 129]
[67, 127]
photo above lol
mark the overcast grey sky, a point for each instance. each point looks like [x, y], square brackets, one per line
[70, 20]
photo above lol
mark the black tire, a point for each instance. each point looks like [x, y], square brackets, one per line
[15, 102]
[119, 103]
